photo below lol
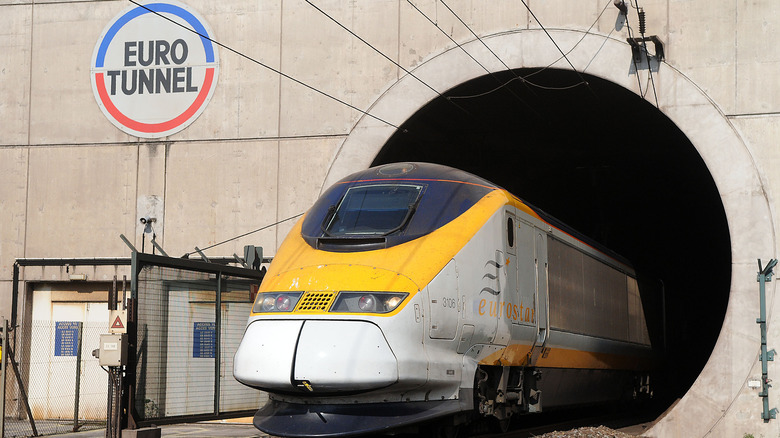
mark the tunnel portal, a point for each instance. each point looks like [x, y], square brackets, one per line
[610, 164]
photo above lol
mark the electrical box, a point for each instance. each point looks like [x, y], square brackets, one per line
[113, 350]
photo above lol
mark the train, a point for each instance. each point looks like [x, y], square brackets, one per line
[416, 293]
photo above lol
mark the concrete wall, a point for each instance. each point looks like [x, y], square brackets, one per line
[71, 182]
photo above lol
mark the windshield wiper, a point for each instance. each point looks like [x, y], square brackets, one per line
[407, 218]
[327, 219]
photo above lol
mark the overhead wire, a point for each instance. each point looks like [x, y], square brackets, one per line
[398, 65]
[245, 234]
[405, 70]
[463, 49]
[266, 66]
[587, 32]
[476, 36]
[516, 77]
[582, 78]
[447, 98]
[525, 78]
[321, 92]
[451, 38]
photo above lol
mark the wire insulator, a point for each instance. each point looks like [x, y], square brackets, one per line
[642, 24]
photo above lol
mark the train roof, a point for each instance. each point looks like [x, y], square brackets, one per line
[417, 172]
[451, 192]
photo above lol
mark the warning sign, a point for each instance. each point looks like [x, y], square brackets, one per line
[117, 320]
[117, 323]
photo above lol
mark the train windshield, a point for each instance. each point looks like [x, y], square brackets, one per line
[377, 210]
[388, 205]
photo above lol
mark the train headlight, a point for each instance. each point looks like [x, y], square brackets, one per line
[393, 302]
[283, 303]
[368, 302]
[268, 302]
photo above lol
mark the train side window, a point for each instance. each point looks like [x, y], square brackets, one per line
[510, 232]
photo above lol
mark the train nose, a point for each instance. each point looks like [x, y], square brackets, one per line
[315, 356]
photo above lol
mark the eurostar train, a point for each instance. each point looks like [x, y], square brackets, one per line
[411, 292]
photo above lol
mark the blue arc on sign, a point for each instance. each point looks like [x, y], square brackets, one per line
[159, 8]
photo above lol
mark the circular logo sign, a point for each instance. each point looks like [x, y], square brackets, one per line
[154, 69]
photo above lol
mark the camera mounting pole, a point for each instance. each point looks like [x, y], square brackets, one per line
[764, 276]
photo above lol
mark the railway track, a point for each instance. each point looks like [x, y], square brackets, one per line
[592, 422]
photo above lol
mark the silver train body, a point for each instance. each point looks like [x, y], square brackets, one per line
[412, 292]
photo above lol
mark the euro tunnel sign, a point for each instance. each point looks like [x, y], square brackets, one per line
[117, 320]
[154, 68]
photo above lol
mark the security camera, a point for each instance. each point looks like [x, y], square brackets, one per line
[621, 4]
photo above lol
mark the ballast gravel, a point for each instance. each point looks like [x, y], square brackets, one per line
[587, 432]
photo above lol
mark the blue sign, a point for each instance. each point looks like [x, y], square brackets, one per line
[66, 338]
[204, 339]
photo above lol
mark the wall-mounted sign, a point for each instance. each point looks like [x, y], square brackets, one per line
[204, 339]
[66, 338]
[151, 74]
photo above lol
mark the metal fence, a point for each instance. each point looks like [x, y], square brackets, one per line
[185, 321]
[64, 387]
[190, 319]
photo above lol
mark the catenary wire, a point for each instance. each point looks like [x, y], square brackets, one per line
[463, 49]
[245, 234]
[461, 108]
[382, 54]
[476, 36]
[489, 50]
[582, 78]
[587, 32]
[451, 39]
[525, 77]
[277, 71]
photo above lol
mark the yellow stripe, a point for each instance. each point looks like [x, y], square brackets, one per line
[517, 355]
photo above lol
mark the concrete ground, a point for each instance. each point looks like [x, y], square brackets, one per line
[240, 428]
[243, 428]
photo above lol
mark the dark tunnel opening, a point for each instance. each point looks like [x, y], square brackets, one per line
[611, 165]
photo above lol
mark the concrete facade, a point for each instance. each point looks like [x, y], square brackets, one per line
[266, 146]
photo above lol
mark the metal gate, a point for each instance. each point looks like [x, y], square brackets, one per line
[185, 321]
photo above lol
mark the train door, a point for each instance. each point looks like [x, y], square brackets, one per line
[526, 279]
[506, 273]
[541, 313]
[510, 248]
[443, 310]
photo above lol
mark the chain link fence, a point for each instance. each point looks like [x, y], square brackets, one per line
[189, 326]
[188, 321]
[62, 385]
